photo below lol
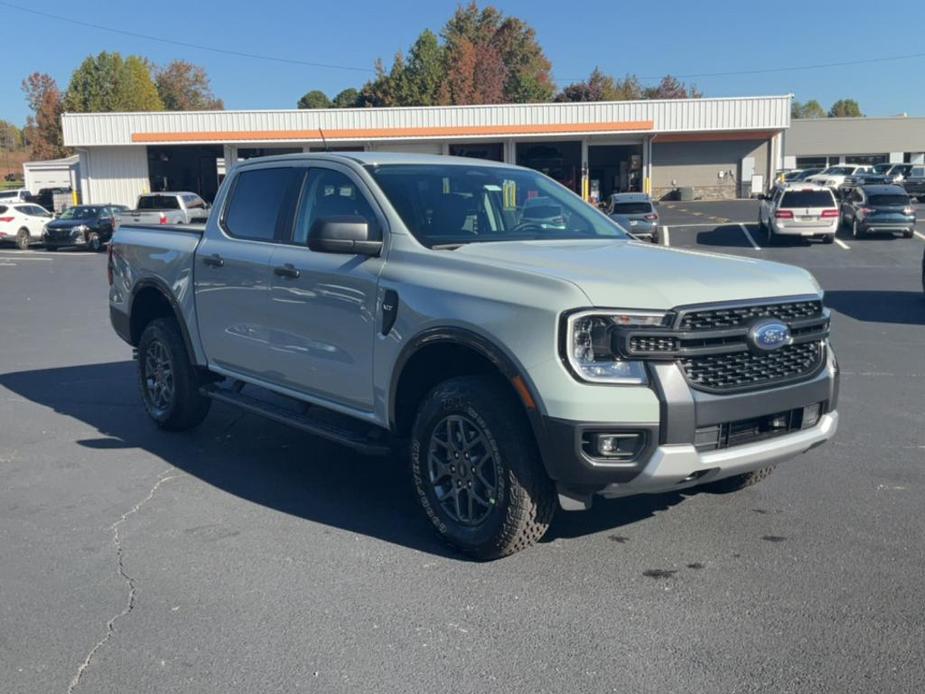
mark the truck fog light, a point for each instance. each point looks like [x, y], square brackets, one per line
[811, 415]
[622, 446]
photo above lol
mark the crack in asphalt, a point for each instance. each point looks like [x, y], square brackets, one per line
[129, 581]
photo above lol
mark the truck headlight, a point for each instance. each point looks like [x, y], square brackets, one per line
[589, 345]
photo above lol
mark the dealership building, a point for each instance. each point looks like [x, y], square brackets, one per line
[700, 148]
[714, 148]
[818, 142]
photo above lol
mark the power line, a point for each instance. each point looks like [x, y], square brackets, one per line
[293, 61]
[185, 44]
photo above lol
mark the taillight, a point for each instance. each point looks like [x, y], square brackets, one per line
[783, 214]
[829, 214]
[163, 218]
[7, 220]
[652, 217]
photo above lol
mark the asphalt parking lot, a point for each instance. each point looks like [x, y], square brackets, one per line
[245, 556]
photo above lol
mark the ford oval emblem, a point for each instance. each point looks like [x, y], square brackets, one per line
[770, 335]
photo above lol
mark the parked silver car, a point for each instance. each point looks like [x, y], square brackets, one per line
[636, 213]
[800, 210]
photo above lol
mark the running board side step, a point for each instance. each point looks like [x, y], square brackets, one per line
[358, 435]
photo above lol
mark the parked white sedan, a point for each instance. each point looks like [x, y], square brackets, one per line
[23, 223]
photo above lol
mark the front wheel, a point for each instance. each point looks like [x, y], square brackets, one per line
[476, 469]
[94, 244]
[167, 379]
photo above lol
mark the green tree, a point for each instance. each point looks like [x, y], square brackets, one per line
[384, 89]
[107, 82]
[420, 80]
[671, 87]
[10, 137]
[810, 109]
[348, 98]
[183, 86]
[845, 108]
[602, 87]
[42, 133]
[314, 99]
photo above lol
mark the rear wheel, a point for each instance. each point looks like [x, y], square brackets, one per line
[23, 239]
[907, 234]
[737, 482]
[828, 238]
[168, 381]
[476, 469]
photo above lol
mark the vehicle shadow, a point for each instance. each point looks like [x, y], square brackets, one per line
[878, 306]
[724, 235]
[273, 465]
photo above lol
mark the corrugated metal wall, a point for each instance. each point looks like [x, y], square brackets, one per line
[115, 175]
[855, 136]
[682, 115]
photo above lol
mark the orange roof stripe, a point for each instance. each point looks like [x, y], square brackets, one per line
[394, 133]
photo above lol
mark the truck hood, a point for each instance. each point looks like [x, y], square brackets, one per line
[629, 274]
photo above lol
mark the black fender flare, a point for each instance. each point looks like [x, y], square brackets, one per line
[486, 348]
[161, 287]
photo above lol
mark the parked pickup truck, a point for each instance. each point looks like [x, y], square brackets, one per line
[914, 183]
[166, 208]
[403, 303]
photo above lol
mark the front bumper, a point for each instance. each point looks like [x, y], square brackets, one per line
[668, 459]
[679, 467]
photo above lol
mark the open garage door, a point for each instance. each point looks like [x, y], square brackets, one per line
[191, 168]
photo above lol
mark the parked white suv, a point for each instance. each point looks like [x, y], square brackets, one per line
[834, 176]
[799, 209]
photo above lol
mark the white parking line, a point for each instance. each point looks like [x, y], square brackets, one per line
[21, 257]
[748, 235]
[919, 234]
[666, 239]
[707, 224]
[842, 244]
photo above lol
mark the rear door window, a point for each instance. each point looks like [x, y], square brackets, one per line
[158, 202]
[807, 198]
[261, 203]
[889, 200]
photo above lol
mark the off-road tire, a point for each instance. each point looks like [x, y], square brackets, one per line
[737, 482]
[186, 407]
[525, 496]
[23, 239]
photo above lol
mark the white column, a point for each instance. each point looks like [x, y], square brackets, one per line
[917, 158]
[896, 157]
[585, 178]
[510, 152]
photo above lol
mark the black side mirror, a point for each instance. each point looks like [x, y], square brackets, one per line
[347, 234]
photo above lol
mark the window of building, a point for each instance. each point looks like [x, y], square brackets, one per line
[867, 158]
[493, 151]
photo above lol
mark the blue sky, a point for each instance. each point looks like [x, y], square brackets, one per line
[648, 39]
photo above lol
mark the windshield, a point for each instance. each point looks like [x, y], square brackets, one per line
[451, 204]
[807, 198]
[632, 208]
[882, 168]
[80, 213]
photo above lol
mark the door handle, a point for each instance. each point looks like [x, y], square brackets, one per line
[287, 270]
[214, 260]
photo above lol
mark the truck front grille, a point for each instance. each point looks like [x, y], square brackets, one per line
[735, 316]
[711, 344]
[741, 370]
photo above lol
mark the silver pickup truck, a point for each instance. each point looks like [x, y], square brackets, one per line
[406, 305]
[166, 208]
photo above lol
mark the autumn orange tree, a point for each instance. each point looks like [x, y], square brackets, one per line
[43, 127]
